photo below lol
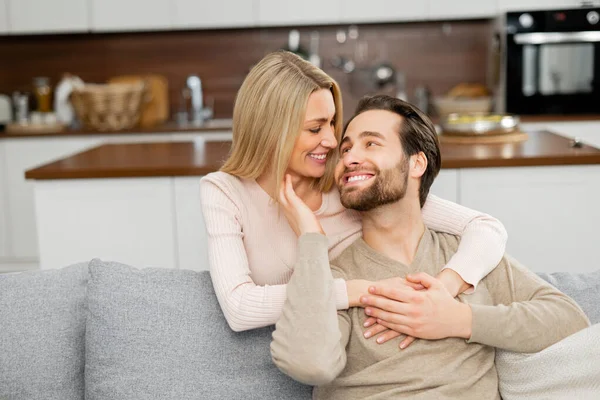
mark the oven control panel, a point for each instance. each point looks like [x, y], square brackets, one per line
[572, 20]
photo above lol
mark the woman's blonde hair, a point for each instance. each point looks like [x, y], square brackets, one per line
[269, 114]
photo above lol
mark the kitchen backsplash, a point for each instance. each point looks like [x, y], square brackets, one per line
[437, 54]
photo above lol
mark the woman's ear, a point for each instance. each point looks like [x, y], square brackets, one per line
[418, 164]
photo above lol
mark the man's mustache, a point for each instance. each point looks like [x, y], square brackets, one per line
[358, 169]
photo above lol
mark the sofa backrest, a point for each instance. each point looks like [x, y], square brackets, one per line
[583, 288]
[160, 334]
[42, 328]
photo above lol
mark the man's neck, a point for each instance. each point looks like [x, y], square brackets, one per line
[395, 230]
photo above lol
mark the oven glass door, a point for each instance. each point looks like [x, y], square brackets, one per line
[565, 68]
[556, 73]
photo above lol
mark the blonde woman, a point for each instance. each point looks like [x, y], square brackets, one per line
[288, 120]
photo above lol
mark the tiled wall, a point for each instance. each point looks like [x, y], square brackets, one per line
[437, 54]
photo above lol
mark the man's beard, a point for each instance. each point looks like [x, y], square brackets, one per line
[389, 187]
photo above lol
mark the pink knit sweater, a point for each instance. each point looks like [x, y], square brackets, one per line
[252, 248]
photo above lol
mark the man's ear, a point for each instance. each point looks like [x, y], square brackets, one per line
[418, 165]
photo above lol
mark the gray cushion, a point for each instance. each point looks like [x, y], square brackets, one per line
[160, 334]
[583, 288]
[42, 330]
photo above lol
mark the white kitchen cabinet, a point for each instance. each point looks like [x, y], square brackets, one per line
[131, 15]
[44, 16]
[551, 213]
[464, 9]
[308, 12]
[359, 11]
[191, 231]
[3, 16]
[532, 5]
[587, 131]
[21, 154]
[445, 185]
[3, 197]
[214, 14]
[18, 231]
[126, 220]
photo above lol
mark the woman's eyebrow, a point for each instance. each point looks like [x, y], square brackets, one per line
[322, 120]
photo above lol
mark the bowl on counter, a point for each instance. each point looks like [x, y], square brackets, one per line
[479, 124]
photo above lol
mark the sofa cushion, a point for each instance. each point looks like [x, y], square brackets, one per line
[584, 288]
[568, 369]
[42, 330]
[160, 334]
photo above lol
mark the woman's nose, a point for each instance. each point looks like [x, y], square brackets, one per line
[329, 139]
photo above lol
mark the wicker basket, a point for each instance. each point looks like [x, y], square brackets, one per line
[108, 107]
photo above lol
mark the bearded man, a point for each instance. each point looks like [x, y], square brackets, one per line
[389, 157]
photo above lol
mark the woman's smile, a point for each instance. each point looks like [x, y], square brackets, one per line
[319, 158]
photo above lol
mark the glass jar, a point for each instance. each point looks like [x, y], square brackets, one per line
[42, 93]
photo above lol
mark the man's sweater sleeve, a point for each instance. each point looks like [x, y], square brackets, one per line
[309, 341]
[529, 314]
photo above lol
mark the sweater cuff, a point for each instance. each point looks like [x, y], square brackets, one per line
[484, 320]
[470, 278]
[340, 291]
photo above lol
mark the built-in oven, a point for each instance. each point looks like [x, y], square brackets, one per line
[549, 62]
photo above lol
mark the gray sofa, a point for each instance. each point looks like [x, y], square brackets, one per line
[102, 330]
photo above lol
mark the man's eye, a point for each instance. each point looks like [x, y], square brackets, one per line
[345, 150]
[369, 144]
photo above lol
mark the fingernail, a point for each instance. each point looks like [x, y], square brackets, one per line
[402, 345]
[372, 289]
[368, 311]
[367, 335]
[379, 340]
[363, 299]
[366, 324]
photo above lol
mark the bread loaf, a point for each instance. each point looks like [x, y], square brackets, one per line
[469, 90]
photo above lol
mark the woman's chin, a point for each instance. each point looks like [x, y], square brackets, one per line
[314, 173]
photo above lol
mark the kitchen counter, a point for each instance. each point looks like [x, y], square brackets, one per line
[225, 124]
[202, 157]
[170, 127]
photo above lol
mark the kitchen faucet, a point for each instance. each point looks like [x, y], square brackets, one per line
[198, 112]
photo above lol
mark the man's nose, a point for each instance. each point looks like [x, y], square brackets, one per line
[351, 157]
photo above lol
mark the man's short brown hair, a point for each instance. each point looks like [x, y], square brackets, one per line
[416, 134]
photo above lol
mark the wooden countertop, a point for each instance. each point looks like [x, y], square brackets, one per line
[215, 125]
[201, 158]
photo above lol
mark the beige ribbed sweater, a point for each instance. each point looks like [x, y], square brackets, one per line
[252, 248]
[512, 309]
